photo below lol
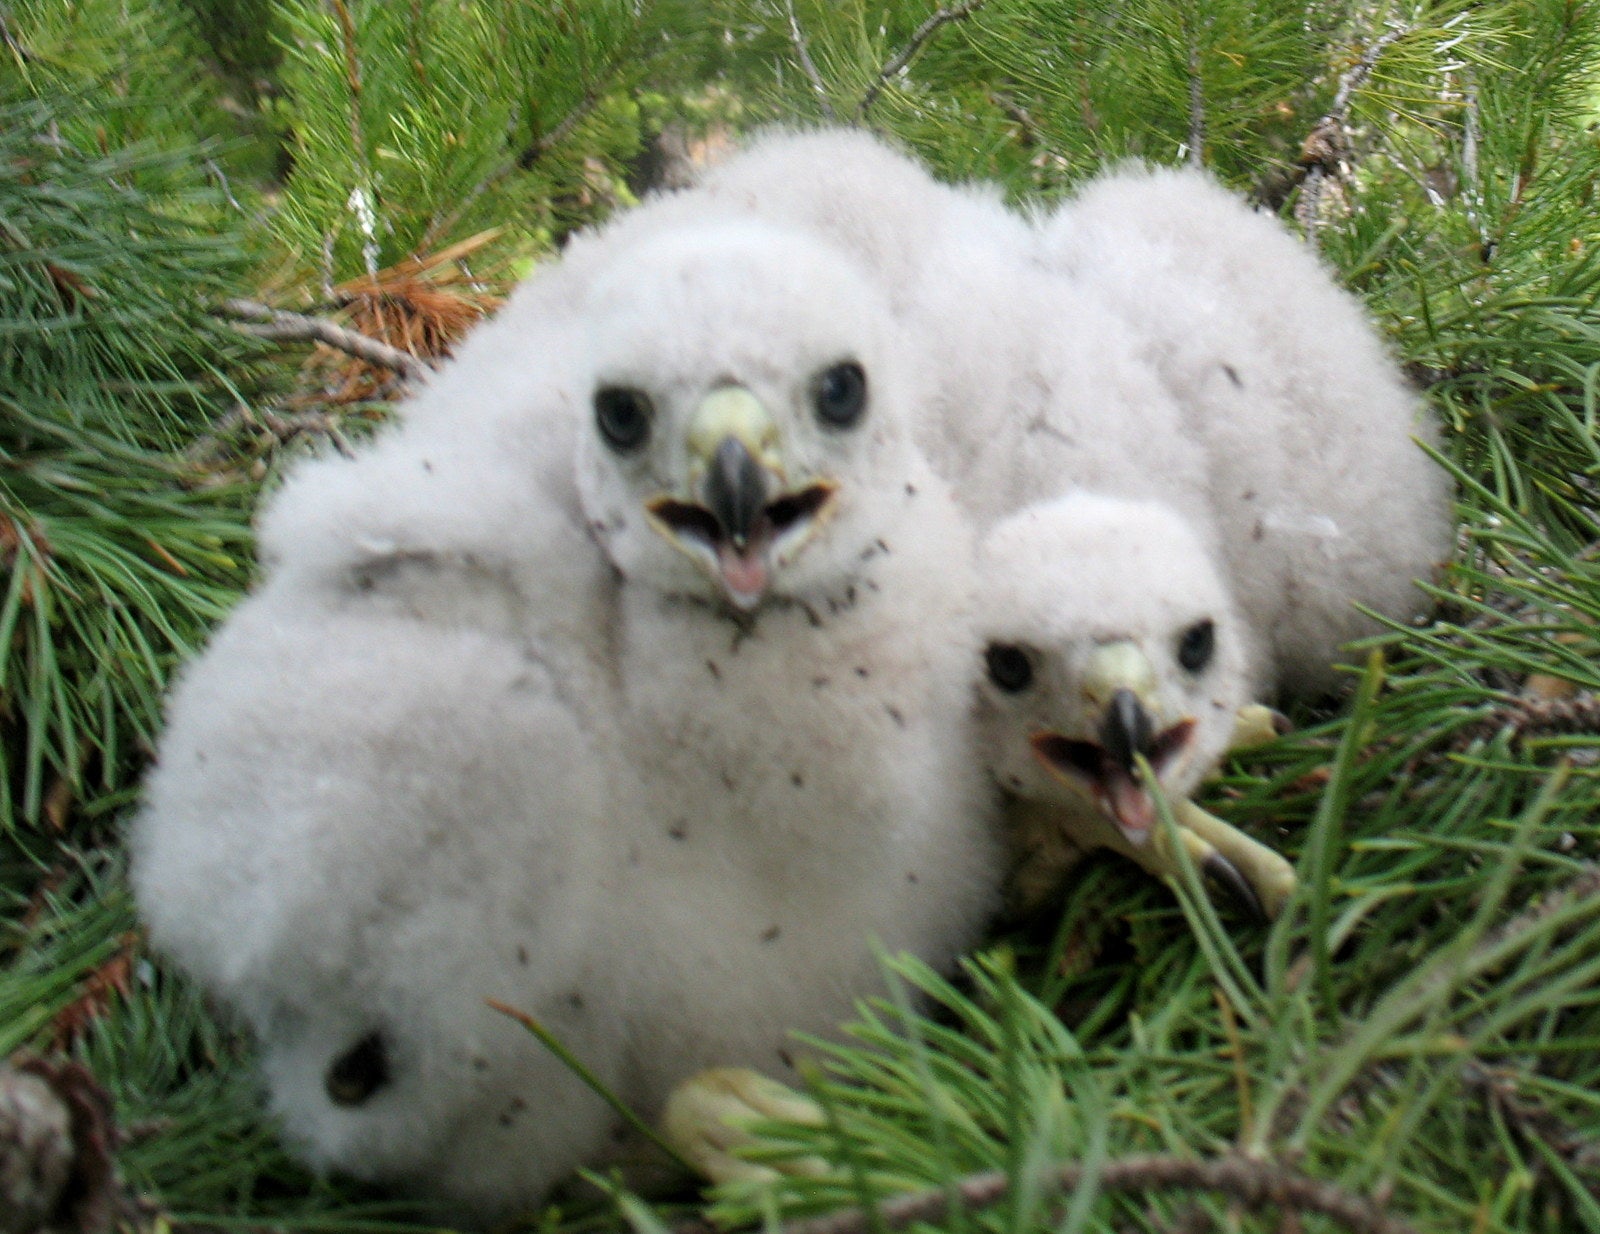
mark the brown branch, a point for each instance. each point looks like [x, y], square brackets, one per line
[267, 322]
[1534, 717]
[1534, 1123]
[1585, 885]
[798, 38]
[1251, 1183]
[919, 36]
[1325, 151]
[551, 138]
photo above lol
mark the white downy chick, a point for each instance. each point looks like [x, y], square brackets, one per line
[1322, 499]
[793, 577]
[1108, 632]
[384, 795]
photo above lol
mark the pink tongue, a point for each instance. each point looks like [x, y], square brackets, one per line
[1131, 806]
[743, 574]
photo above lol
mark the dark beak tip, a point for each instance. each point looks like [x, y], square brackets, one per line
[736, 490]
[1128, 729]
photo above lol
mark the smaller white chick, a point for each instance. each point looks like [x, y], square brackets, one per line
[1109, 634]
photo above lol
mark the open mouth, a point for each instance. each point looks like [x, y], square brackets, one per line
[1113, 781]
[743, 563]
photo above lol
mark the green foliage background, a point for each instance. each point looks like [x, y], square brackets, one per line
[1423, 1026]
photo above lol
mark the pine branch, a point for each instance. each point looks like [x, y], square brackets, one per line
[527, 158]
[1326, 149]
[267, 322]
[562, 129]
[1252, 1183]
[352, 74]
[919, 36]
[1584, 886]
[798, 38]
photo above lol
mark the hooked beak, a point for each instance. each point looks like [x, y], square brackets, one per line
[739, 519]
[1119, 687]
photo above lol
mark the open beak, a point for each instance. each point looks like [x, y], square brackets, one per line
[740, 518]
[1119, 688]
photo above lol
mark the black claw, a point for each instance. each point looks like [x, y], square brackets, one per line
[1223, 873]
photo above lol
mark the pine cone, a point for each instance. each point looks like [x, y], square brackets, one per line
[56, 1140]
[35, 1152]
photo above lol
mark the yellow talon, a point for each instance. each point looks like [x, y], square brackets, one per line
[707, 1120]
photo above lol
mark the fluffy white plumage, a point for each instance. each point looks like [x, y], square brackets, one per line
[1109, 630]
[1064, 582]
[383, 794]
[666, 796]
[798, 697]
[1322, 499]
[1025, 386]
[1196, 353]
[866, 197]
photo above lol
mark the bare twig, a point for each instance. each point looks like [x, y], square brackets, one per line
[798, 38]
[1535, 717]
[1249, 1182]
[901, 58]
[221, 176]
[268, 322]
[1356, 75]
[1326, 149]
[1197, 109]
[1534, 1123]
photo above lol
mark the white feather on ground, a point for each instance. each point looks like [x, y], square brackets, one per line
[1322, 499]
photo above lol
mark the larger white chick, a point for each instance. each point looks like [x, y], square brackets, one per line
[791, 655]
[1322, 498]
[384, 795]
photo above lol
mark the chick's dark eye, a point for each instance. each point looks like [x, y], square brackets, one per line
[1196, 645]
[841, 394]
[623, 417]
[1009, 667]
